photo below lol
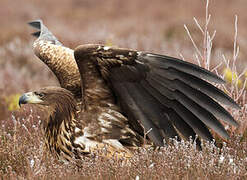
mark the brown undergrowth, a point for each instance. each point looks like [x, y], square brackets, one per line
[22, 151]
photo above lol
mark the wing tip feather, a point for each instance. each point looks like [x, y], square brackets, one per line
[202, 72]
[36, 24]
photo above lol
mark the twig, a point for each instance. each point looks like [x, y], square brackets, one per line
[194, 44]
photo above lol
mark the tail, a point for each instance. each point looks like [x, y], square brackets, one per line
[43, 33]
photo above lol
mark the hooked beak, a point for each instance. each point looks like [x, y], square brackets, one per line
[23, 100]
[29, 98]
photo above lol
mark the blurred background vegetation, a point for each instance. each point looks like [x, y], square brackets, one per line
[156, 26]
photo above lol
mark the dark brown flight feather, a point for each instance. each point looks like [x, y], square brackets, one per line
[115, 94]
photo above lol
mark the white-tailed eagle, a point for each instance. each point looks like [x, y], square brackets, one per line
[109, 96]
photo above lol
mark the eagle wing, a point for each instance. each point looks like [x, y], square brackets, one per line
[167, 96]
[57, 57]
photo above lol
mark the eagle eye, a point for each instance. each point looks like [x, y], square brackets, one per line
[40, 95]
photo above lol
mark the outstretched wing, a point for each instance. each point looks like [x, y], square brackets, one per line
[43, 32]
[57, 57]
[166, 95]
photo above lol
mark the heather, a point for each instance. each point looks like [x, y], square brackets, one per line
[211, 35]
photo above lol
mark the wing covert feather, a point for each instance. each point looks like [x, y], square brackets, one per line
[163, 93]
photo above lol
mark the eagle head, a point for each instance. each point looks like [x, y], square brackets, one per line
[48, 96]
[60, 110]
[58, 103]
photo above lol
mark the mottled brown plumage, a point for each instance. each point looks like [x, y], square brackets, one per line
[109, 96]
[58, 58]
[71, 133]
[66, 70]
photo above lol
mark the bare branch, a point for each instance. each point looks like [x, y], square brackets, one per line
[198, 25]
[194, 44]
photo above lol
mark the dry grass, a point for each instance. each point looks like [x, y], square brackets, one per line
[156, 27]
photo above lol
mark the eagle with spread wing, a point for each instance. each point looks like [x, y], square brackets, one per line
[112, 96]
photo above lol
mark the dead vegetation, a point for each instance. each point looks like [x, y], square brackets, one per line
[157, 28]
